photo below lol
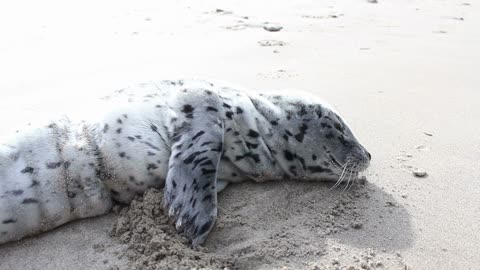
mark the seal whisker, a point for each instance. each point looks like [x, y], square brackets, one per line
[341, 176]
[353, 180]
[348, 181]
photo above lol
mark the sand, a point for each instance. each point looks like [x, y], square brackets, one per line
[404, 74]
[293, 232]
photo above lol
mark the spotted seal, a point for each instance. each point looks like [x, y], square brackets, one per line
[191, 136]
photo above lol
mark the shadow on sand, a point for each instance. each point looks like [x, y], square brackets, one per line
[275, 223]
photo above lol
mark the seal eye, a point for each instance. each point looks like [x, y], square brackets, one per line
[369, 156]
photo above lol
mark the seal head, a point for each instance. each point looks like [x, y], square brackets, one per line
[340, 147]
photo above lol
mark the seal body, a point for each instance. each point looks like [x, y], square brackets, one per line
[191, 136]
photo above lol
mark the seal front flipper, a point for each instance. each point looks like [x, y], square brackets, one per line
[190, 190]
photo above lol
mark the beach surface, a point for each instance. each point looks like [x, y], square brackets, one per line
[404, 75]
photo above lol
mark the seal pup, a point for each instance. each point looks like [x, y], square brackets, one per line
[191, 136]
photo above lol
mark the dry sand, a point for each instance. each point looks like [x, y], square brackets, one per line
[403, 73]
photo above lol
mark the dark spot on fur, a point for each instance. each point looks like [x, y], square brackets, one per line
[34, 183]
[252, 145]
[27, 170]
[303, 110]
[314, 157]
[289, 115]
[119, 121]
[66, 164]
[152, 166]
[318, 111]
[303, 130]
[200, 133]
[119, 130]
[209, 108]
[329, 135]
[207, 171]
[288, 155]
[188, 110]
[239, 110]
[226, 105]
[218, 149]
[150, 153]
[152, 146]
[205, 163]
[206, 186]
[132, 139]
[318, 169]
[325, 125]
[255, 157]
[192, 156]
[344, 142]
[53, 165]
[273, 123]
[29, 200]
[302, 160]
[105, 128]
[205, 143]
[196, 162]
[252, 133]
[174, 184]
[9, 221]
[121, 154]
[229, 115]
[17, 192]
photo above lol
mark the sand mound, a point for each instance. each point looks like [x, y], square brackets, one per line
[152, 242]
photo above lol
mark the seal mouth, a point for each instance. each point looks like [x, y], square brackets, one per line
[349, 171]
[334, 161]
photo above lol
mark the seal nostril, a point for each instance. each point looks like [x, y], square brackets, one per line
[369, 156]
